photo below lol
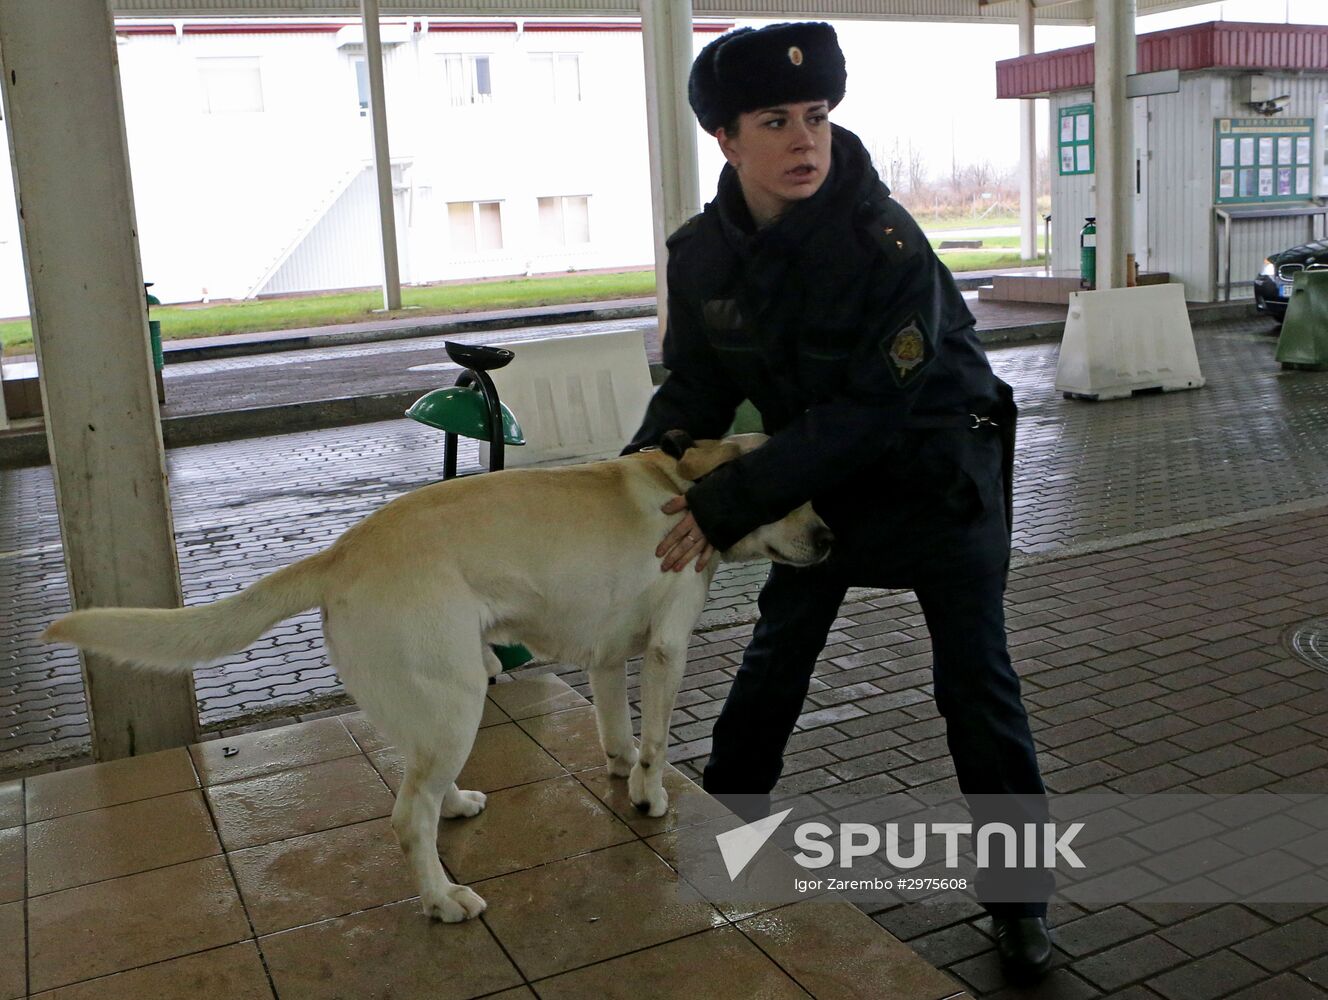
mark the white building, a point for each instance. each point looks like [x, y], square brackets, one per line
[1245, 136]
[517, 147]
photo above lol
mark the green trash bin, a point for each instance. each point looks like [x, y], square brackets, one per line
[154, 338]
[1304, 341]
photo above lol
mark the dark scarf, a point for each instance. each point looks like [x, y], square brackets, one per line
[814, 237]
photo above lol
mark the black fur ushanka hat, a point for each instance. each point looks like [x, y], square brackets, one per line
[749, 69]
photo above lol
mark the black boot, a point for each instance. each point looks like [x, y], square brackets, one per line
[1024, 947]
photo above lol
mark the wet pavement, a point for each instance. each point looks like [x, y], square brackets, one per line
[1167, 548]
[1087, 474]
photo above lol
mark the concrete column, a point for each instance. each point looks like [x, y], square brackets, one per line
[373, 57]
[61, 92]
[675, 186]
[1028, 159]
[1115, 59]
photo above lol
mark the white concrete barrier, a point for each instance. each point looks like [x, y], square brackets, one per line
[576, 398]
[1126, 340]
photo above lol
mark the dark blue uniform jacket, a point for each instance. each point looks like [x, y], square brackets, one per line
[850, 337]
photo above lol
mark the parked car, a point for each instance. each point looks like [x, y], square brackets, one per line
[1272, 287]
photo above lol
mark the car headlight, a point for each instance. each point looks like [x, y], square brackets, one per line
[1269, 270]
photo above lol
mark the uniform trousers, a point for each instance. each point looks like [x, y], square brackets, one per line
[976, 691]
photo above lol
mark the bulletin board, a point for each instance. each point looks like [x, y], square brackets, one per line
[1263, 160]
[1075, 140]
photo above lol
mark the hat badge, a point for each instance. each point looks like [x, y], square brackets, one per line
[795, 55]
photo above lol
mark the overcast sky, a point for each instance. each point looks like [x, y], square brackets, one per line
[935, 84]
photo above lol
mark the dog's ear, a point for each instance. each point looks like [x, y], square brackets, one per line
[675, 443]
[705, 458]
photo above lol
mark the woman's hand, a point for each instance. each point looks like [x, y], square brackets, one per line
[684, 540]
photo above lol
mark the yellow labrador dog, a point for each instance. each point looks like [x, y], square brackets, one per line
[561, 560]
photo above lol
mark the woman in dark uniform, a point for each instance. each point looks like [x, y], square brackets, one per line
[806, 289]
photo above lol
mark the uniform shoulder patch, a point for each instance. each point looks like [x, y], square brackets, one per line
[893, 230]
[907, 350]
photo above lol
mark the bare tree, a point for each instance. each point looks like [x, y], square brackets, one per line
[889, 164]
[917, 170]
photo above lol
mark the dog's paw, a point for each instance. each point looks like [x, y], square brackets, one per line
[492, 665]
[651, 801]
[463, 805]
[620, 766]
[457, 903]
[655, 803]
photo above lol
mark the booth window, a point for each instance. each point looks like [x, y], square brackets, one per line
[476, 226]
[469, 80]
[1074, 141]
[1263, 160]
[1322, 191]
[564, 221]
[230, 85]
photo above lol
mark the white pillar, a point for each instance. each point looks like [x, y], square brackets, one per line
[1028, 159]
[1115, 59]
[675, 185]
[373, 57]
[85, 282]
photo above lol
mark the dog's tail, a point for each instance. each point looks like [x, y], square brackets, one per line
[179, 638]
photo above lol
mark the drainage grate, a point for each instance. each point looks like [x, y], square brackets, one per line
[1310, 643]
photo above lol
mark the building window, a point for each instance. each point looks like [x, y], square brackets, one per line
[476, 226]
[362, 86]
[557, 76]
[230, 85]
[469, 80]
[564, 221]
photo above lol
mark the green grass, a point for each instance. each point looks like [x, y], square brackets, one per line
[997, 253]
[965, 222]
[959, 261]
[990, 242]
[183, 322]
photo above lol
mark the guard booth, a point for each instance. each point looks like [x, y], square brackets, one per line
[1229, 167]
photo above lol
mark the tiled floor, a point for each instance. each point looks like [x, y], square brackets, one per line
[264, 865]
[1085, 474]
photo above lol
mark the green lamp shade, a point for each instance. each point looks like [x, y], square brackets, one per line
[512, 657]
[461, 410]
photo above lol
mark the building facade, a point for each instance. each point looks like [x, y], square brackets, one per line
[1246, 133]
[517, 147]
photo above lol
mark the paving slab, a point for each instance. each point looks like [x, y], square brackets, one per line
[1164, 546]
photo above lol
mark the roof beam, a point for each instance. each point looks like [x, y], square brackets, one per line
[1065, 12]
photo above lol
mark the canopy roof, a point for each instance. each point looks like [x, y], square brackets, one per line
[1066, 12]
[1217, 45]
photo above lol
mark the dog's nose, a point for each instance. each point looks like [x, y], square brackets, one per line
[823, 538]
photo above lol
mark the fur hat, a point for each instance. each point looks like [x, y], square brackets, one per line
[749, 69]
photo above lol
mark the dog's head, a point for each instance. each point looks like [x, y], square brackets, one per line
[800, 538]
